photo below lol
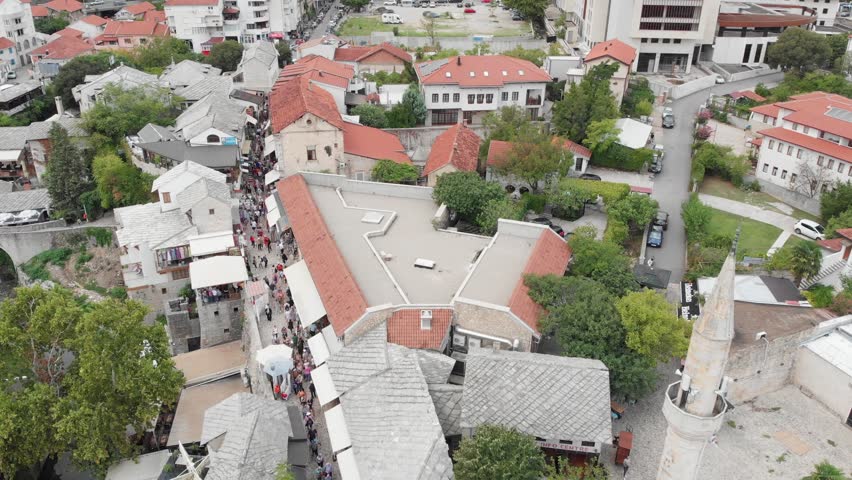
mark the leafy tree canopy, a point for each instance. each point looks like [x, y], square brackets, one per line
[653, 328]
[639, 98]
[499, 453]
[119, 183]
[534, 55]
[496, 209]
[87, 373]
[162, 51]
[593, 470]
[844, 220]
[531, 9]
[696, 218]
[51, 24]
[466, 193]
[121, 112]
[836, 201]
[67, 175]
[412, 100]
[356, 5]
[634, 210]
[285, 56]
[589, 101]
[533, 157]
[371, 115]
[601, 135]
[799, 50]
[604, 262]
[226, 55]
[389, 171]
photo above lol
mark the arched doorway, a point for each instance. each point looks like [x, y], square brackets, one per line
[8, 275]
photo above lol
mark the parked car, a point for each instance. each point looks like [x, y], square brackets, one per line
[546, 221]
[810, 229]
[432, 4]
[469, 10]
[655, 237]
[668, 120]
[12, 75]
[662, 219]
[590, 176]
[720, 79]
[517, 17]
[390, 3]
[656, 165]
[28, 216]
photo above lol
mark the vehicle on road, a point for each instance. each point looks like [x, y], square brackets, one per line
[11, 75]
[656, 165]
[590, 176]
[546, 221]
[668, 120]
[389, 3]
[810, 229]
[432, 4]
[469, 10]
[391, 18]
[720, 79]
[655, 236]
[661, 219]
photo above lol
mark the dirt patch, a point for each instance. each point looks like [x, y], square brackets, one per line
[95, 268]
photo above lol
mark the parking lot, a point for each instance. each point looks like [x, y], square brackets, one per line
[453, 22]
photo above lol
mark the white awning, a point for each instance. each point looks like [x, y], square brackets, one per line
[331, 340]
[347, 466]
[319, 350]
[305, 295]
[270, 202]
[326, 391]
[220, 270]
[272, 217]
[268, 145]
[338, 433]
[210, 243]
[9, 155]
[271, 176]
[275, 359]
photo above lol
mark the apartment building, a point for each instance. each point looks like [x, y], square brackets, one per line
[467, 87]
[808, 147]
[668, 35]
[195, 21]
[18, 27]
[745, 30]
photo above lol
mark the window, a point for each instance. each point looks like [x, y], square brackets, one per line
[587, 444]
[830, 163]
[783, 174]
[227, 330]
[789, 150]
[644, 40]
[820, 159]
[489, 98]
[456, 97]
[434, 98]
[795, 127]
[757, 52]
[163, 291]
[312, 152]
[445, 117]
[514, 96]
[480, 97]
[167, 198]
[667, 40]
[840, 167]
[213, 139]
[771, 144]
[212, 211]
[470, 99]
[824, 10]
[799, 154]
[806, 129]
[780, 146]
[793, 178]
[504, 96]
[655, 40]
[774, 171]
[765, 167]
[676, 40]
[445, 98]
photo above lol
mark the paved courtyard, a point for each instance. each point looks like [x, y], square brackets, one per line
[730, 136]
[781, 435]
[459, 24]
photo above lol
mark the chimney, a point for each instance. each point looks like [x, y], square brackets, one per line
[458, 60]
[59, 108]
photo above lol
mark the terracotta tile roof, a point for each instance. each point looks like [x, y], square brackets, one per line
[190, 3]
[6, 43]
[747, 94]
[320, 70]
[498, 149]
[811, 143]
[833, 244]
[576, 148]
[373, 143]
[615, 49]
[94, 20]
[550, 256]
[138, 8]
[845, 233]
[291, 100]
[63, 48]
[811, 110]
[342, 298]
[40, 11]
[69, 32]
[487, 70]
[357, 54]
[459, 146]
[768, 110]
[64, 6]
[404, 328]
[764, 20]
[158, 16]
[143, 28]
[350, 54]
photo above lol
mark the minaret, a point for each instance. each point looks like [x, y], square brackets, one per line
[692, 407]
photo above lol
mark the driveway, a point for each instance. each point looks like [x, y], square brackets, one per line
[671, 186]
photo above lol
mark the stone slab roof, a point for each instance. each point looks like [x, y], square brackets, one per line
[448, 406]
[14, 202]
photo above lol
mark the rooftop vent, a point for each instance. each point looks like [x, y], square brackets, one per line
[372, 217]
[449, 74]
[521, 73]
[424, 263]
[485, 73]
[425, 319]
[505, 73]
[472, 74]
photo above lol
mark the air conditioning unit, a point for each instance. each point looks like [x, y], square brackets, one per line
[341, 165]
[459, 340]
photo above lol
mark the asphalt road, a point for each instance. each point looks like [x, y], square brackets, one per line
[323, 26]
[671, 186]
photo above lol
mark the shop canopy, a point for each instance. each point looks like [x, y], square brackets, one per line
[321, 378]
[271, 176]
[305, 295]
[210, 243]
[331, 340]
[221, 270]
[347, 465]
[338, 433]
[318, 348]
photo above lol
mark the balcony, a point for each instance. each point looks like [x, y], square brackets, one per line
[212, 21]
[533, 98]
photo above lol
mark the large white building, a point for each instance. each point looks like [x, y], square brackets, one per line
[472, 86]
[808, 148]
[18, 27]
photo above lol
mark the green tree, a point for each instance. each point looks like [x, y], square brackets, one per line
[86, 374]
[836, 201]
[604, 262]
[799, 50]
[638, 92]
[285, 56]
[161, 52]
[589, 101]
[805, 261]
[530, 9]
[533, 158]
[120, 184]
[601, 135]
[498, 453]
[826, 471]
[496, 209]
[635, 210]
[696, 218]
[356, 5]
[592, 470]
[67, 176]
[74, 72]
[121, 112]
[534, 55]
[644, 107]
[51, 24]
[226, 55]
[371, 115]
[400, 117]
[653, 329]
[389, 171]
[412, 100]
[466, 193]
[283, 472]
[503, 124]
[844, 220]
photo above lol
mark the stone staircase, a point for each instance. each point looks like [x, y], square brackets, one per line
[824, 272]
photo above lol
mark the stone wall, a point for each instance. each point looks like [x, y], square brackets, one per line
[424, 137]
[688, 88]
[802, 202]
[373, 317]
[181, 325]
[221, 322]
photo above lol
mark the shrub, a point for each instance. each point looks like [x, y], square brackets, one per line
[719, 240]
[389, 171]
[753, 186]
[616, 232]
[36, 269]
[611, 192]
[534, 202]
[623, 158]
[696, 217]
[102, 236]
[704, 132]
[704, 261]
[819, 295]
[842, 304]
[119, 293]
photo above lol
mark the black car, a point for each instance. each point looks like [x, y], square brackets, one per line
[662, 219]
[590, 176]
[655, 236]
[668, 121]
[546, 221]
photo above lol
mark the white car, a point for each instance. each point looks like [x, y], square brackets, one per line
[810, 229]
[720, 79]
[390, 4]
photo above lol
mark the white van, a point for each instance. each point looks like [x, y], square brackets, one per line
[391, 18]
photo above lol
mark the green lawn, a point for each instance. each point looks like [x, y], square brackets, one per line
[794, 240]
[755, 237]
[444, 27]
[721, 188]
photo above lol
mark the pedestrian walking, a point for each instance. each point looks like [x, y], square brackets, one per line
[268, 311]
[625, 466]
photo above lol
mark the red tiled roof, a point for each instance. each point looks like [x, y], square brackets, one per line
[63, 48]
[575, 148]
[487, 70]
[350, 54]
[757, 142]
[549, 257]
[747, 94]
[810, 109]
[291, 100]
[373, 143]
[319, 64]
[6, 43]
[94, 20]
[498, 149]
[768, 110]
[357, 54]
[342, 298]
[69, 32]
[190, 3]
[811, 143]
[64, 6]
[158, 16]
[404, 328]
[833, 244]
[615, 49]
[757, 20]
[845, 233]
[213, 40]
[458, 146]
[138, 8]
[144, 28]
[40, 11]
